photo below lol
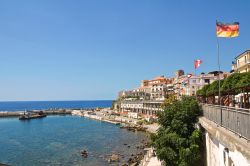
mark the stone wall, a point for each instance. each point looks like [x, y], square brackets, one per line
[224, 148]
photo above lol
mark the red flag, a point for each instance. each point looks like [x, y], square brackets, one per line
[197, 63]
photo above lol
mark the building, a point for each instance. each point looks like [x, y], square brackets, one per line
[187, 85]
[158, 87]
[241, 63]
[135, 94]
[179, 73]
[197, 82]
[148, 98]
[143, 107]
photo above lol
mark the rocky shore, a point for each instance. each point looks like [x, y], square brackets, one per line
[140, 158]
[133, 159]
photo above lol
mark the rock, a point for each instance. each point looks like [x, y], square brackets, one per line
[114, 158]
[124, 164]
[133, 164]
[130, 160]
[84, 153]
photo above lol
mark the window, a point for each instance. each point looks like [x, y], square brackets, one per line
[207, 81]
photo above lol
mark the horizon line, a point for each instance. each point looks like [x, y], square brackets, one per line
[53, 100]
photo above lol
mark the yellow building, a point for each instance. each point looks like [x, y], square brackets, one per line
[242, 62]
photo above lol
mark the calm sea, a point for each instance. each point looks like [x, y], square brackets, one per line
[58, 140]
[39, 105]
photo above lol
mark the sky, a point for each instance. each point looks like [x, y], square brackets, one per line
[91, 49]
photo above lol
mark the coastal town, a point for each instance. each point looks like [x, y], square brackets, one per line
[136, 110]
[146, 100]
[124, 83]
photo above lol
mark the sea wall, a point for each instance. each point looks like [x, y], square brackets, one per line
[48, 112]
[224, 148]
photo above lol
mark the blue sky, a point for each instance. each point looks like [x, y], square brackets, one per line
[87, 50]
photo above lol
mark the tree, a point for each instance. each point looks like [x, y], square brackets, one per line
[244, 81]
[178, 142]
[231, 81]
[203, 91]
[214, 87]
[169, 100]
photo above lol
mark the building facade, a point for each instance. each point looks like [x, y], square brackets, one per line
[241, 63]
[149, 107]
[187, 85]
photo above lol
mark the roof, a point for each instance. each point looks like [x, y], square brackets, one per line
[160, 78]
[242, 54]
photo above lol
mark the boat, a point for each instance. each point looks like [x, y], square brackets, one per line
[31, 115]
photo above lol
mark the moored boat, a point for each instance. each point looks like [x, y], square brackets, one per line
[30, 115]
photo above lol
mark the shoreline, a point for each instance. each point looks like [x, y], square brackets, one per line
[147, 158]
[127, 123]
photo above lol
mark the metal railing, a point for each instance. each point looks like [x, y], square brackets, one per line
[234, 119]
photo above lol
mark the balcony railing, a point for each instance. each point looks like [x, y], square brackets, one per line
[242, 63]
[234, 119]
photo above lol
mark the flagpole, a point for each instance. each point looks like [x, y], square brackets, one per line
[194, 68]
[218, 61]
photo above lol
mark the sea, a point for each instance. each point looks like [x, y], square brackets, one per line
[43, 105]
[58, 140]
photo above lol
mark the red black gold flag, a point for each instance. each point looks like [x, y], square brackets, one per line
[227, 30]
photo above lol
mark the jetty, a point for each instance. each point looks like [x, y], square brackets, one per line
[47, 112]
[32, 115]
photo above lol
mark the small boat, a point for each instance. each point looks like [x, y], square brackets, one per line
[30, 115]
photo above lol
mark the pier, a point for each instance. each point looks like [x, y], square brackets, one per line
[47, 112]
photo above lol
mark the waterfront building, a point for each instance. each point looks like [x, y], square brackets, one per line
[197, 82]
[135, 94]
[142, 107]
[187, 85]
[155, 89]
[146, 99]
[241, 63]
[158, 87]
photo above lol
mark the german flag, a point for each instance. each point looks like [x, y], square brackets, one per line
[227, 30]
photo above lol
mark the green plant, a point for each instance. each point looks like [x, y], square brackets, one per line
[244, 81]
[169, 100]
[231, 82]
[178, 142]
[203, 91]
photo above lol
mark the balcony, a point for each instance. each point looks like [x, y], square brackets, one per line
[242, 64]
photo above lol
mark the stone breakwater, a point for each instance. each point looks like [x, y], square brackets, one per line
[48, 112]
